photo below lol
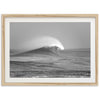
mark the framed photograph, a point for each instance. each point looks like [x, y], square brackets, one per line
[53, 49]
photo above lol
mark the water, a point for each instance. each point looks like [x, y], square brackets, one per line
[66, 64]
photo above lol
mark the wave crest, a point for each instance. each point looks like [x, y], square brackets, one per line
[47, 50]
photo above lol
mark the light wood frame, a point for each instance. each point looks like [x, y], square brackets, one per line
[49, 15]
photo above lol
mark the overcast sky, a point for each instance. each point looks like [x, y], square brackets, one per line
[71, 34]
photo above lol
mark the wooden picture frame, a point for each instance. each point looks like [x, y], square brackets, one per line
[8, 18]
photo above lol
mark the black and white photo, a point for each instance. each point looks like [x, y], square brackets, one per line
[50, 49]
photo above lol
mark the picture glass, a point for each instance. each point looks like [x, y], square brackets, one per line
[50, 50]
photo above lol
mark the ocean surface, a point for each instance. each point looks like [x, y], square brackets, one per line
[47, 63]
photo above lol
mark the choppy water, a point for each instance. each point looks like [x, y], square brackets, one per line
[69, 63]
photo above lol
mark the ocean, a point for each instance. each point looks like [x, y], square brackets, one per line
[47, 63]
